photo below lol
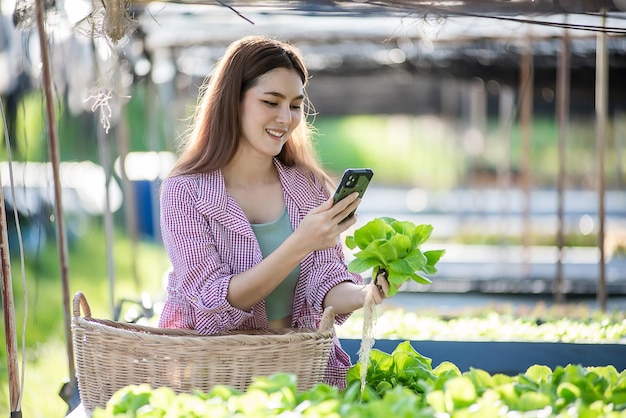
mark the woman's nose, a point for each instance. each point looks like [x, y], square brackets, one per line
[284, 115]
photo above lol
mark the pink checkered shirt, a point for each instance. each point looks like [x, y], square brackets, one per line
[208, 240]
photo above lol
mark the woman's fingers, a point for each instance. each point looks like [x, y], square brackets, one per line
[345, 207]
[336, 212]
[381, 287]
[323, 225]
[383, 283]
[377, 296]
[327, 205]
[319, 228]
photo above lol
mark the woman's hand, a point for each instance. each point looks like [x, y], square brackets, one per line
[320, 229]
[347, 297]
[379, 287]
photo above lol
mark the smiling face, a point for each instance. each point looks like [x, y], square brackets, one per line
[270, 111]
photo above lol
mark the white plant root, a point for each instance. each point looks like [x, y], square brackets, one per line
[367, 342]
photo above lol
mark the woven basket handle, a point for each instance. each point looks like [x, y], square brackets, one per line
[328, 319]
[81, 300]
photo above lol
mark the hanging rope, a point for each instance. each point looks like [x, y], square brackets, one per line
[15, 389]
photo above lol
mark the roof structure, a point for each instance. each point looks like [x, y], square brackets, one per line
[409, 39]
[440, 7]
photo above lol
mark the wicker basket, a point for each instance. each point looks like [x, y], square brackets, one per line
[111, 355]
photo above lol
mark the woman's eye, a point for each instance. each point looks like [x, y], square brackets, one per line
[296, 107]
[267, 102]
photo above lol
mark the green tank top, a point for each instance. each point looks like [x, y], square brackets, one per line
[278, 304]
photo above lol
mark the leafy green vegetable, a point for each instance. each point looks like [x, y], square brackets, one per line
[404, 366]
[401, 384]
[392, 246]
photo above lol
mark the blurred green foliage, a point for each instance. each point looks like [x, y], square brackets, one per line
[413, 150]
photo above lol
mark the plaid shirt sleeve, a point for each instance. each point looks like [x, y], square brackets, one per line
[199, 278]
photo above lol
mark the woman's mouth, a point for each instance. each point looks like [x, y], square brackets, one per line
[275, 133]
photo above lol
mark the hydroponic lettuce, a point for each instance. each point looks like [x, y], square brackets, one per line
[392, 247]
[402, 384]
[489, 325]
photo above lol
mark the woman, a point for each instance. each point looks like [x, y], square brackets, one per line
[246, 214]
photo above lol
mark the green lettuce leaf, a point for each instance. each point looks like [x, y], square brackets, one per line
[388, 244]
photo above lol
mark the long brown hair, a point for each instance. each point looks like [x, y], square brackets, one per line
[214, 136]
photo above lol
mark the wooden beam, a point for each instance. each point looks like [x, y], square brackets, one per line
[53, 146]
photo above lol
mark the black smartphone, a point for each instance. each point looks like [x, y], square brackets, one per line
[353, 180]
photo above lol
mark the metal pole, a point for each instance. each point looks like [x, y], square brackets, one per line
[108, 216]
[562, 116]
[506, 107]
[130, 206]
[526, 116]
[602, 77]
[618, 137]
[58, 205]
[104, 158]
